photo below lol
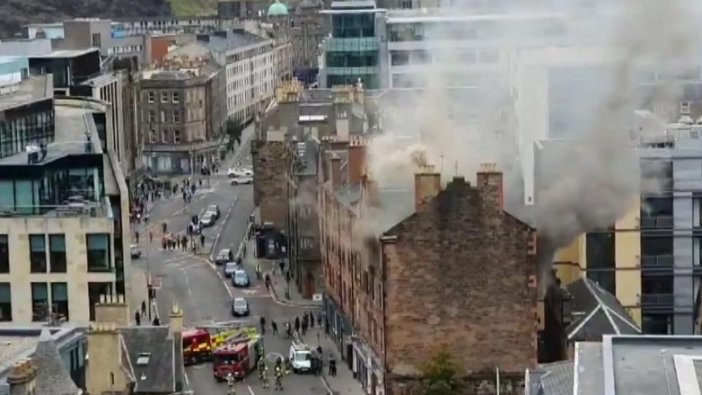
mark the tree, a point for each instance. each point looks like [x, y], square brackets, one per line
[440, 375]
[234, 129]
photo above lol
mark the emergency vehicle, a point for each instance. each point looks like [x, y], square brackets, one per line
[198, 343]
[237, 357]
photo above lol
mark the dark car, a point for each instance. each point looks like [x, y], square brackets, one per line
[213, 208]
[240, 307]
[225, 255]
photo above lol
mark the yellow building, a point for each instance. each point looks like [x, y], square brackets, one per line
[64, 228]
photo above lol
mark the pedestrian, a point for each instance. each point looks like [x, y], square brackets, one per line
[202, 240]
[164, 243]
[184, 240]
[287, 276]
[274, 326]
[311, 320]
[304, 326]
[332, 366]
[297, 324]
[263, 324]
[282, 266]
[287, 329]
[137, 318]
[143, 307]
[157, 322]
[319, 319]
[151, 236]
[136, 237]
[268, 282]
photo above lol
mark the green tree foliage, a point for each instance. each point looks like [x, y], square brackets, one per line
[440, 375]
[234, 130]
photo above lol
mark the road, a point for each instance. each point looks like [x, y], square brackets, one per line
[197, 286]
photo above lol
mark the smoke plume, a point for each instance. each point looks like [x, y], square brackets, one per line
[594, 176]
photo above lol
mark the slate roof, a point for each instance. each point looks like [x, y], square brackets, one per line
[602, 313]
[551, 379]
[160, 374]
[52, 376]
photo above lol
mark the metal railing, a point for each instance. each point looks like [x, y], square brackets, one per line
[657, 299]
[657, 261]
[72, 209]
[657, 221]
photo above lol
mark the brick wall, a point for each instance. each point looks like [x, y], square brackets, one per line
[460, 275]
[270, 164]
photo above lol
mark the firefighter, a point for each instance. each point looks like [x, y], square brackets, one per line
[264, 376]
[261, 366]
[278, 378]
[230, 383]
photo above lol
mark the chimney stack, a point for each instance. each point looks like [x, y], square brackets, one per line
[175, 324]
[427, 184]
[371, 194]
[22, 378]
[489, 182]
[335, 170]
[112, 309]
[105, 353]
[358, 152]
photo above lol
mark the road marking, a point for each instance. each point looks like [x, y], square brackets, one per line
[187, 281]
[187, 380]
[250, 390]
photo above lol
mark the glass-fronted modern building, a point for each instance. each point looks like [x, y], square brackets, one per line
[353, 52]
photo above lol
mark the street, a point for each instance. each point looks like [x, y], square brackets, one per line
[197, 286]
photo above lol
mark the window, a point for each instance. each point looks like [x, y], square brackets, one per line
[163, 116]
[95, 290]
[164, 136]
[176, 136]
[96, 40]
[37, 253]
[5, 302]
[605, 279]
[150, 96]
[57, 253]
[152, 116]
[600, 247]
[176, 116]
[4, 254]
[59, 300]
[685, 108]
[152, 136]
[98, 252]
[164, 97]
[176, 97]
[657, 324]
[40, 302]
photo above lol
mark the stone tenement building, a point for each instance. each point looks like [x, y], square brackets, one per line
[410, 274]
[270, 186]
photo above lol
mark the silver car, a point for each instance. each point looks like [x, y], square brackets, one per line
[240, 307]
[230, 268]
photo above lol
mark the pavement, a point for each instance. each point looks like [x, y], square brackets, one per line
[194, 283]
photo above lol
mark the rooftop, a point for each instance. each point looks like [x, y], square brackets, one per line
[153, 358]
[601, 313]
[233, 40]
[30, 90]
[100, 80]
[73, 123]
[67, 53]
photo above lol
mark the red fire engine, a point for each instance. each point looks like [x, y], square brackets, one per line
[196, 346]
[237, 357]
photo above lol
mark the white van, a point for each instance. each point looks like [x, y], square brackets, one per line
[300, 357]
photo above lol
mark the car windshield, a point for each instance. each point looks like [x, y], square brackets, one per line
[303, 356]
[240, 275]
[230, 266]
[240, 303]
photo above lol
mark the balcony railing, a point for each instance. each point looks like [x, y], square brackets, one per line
[657, 221]
[658, 261]
[657, 299]
[75, 209]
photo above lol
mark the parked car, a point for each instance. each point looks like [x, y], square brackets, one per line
[207, 220]
[225, 255]
[240, 307]
[230, 268]
[242, 180]
[135, 251]
[213, 208]
[239, 172]
[240, 278]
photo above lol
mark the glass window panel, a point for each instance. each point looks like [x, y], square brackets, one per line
[40, 302]
[23, 196]
[37, 243]
[4, 254]
[57, 242]
[5, 293]
[59, 292]
[5, 302]
[7, 195]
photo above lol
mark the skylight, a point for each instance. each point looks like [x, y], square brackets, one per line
[143, 359]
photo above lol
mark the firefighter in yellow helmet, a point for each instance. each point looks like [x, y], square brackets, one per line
[230, 384]
[261, 366]
[264, 376]
[278, 378]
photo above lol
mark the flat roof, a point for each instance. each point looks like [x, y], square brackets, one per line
[234, 40]
[66, 53]
[439, 15]
[100, 80]
[30, 90]
[72, 124]
[11, 347]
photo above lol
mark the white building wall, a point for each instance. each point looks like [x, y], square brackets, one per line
[250, 82]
